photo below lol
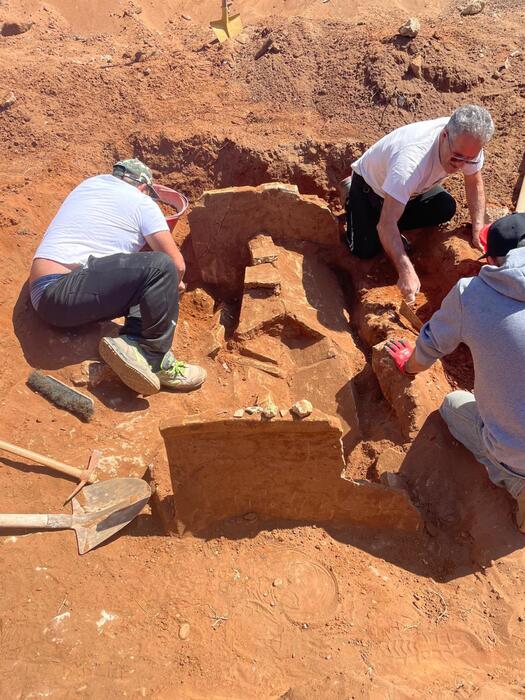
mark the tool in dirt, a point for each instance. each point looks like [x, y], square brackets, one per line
[62, 395]
[85, 476]
[407, 312]
[108, 507]
[229, 26]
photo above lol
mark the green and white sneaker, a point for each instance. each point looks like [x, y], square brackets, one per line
[125, 357]
[180, 375]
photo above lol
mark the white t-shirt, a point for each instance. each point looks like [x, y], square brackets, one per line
[405, 162]
[102, 216]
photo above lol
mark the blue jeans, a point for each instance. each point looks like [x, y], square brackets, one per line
[460, 413]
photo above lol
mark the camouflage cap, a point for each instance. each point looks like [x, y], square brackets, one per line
[135, 169]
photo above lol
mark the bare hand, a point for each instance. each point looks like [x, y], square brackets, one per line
[409, 285]
[476, 243]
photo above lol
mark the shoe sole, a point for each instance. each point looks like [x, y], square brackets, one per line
[184, 388]
[126, 372]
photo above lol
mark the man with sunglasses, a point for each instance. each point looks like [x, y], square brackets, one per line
[89, 267]
[487, 313]
[395, 186]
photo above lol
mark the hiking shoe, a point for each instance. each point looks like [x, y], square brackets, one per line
[180, 375]
[126, 359]
[520, 513]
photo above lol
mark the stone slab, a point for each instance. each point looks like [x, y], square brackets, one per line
[223, 221]
[281, 469]
[262, 250]
[263, 276]
[411, 398]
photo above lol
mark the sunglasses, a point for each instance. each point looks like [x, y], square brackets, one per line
[459, 158]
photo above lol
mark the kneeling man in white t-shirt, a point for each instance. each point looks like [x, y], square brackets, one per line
[89, 268]
[396, 186]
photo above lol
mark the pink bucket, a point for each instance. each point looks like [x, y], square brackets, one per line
[174, 199]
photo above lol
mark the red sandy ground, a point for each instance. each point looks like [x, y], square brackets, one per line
[358, 615]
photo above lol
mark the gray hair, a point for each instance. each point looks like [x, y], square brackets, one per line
[473, 120]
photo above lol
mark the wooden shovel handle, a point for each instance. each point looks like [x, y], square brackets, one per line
[520, 204]
[46, 522]
[46, 461]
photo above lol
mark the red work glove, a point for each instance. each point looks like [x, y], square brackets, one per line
[400, 352]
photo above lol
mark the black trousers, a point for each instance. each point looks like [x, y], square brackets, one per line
[363, 209]
[143, 287]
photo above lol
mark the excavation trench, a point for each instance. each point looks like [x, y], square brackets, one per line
[277, 254]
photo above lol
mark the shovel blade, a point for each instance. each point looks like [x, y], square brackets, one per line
[227, 28]
[109, 506]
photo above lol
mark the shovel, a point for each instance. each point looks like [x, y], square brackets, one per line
[228, 27]
[109, 506]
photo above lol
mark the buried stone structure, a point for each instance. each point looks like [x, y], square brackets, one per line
[283, 468]
[291, 341]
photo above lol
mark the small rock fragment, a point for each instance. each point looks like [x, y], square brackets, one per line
[415, 66]
[270, 410]
[106, 58]
[7, 101]
[267, 46]
[239, 413]
[15, 28]
[186, 17]
[277, 583]
[283, 412]
[250, 410]
[184, 631]
[302, 408]
[250, 517]
[410, 28]
[474, 7]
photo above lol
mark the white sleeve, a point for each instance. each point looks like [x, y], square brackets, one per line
[150, 217]
[404, 176]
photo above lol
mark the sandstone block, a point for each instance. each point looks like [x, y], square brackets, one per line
[262, 250]
[223, 221]
[412, 399]
[284, 469]
[389, 461]
[263, 276]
